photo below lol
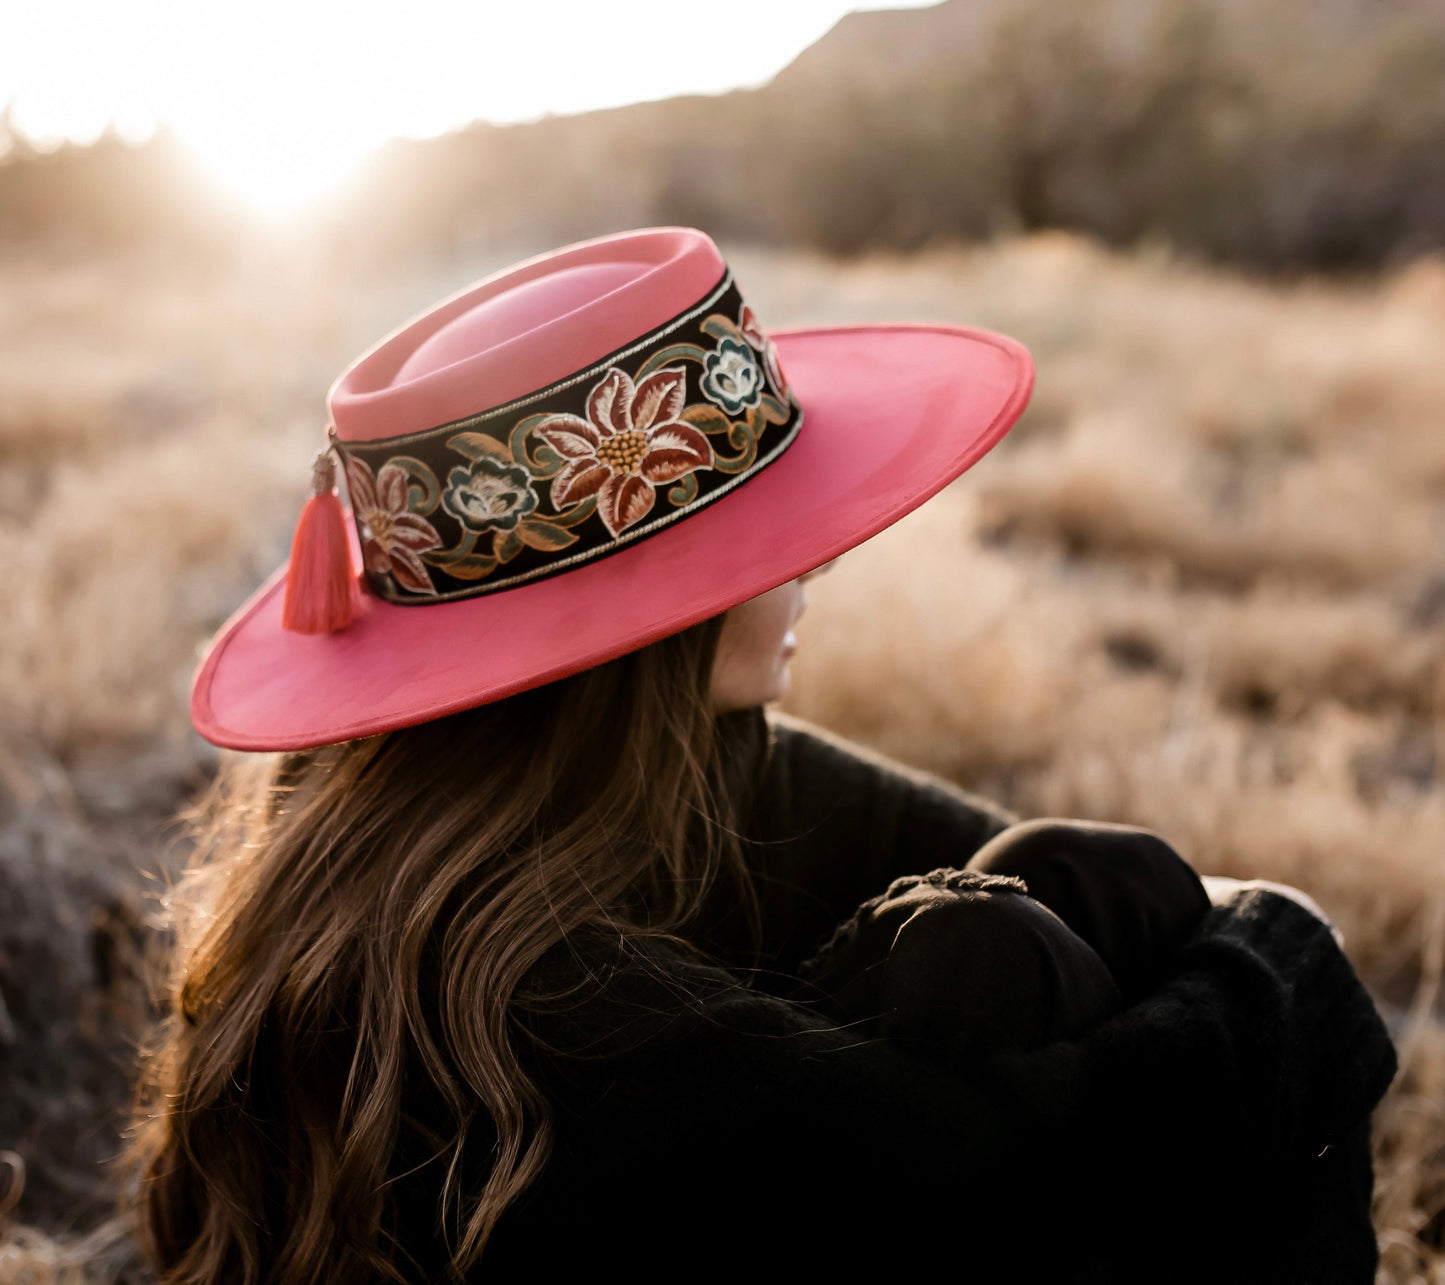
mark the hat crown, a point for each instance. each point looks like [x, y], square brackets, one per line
[523, 329]
[515, 312]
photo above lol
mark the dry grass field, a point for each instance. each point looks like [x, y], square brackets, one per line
[1201, 587]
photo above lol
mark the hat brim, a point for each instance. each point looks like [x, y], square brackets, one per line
[892, 414]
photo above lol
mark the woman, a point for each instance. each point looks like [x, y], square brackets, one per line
[517, 956]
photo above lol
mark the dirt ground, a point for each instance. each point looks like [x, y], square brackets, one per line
[1200, 587]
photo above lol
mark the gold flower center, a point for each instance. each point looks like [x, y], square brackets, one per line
[378, 526]
[623, 452]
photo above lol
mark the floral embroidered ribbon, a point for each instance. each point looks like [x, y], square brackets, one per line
[578, 470]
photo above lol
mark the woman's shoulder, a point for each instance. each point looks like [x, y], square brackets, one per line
[679, 1091]
[647, 1029]
[809, 757]
[609, 997]
[789, 756]
[827, 824]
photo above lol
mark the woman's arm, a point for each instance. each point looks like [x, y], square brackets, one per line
[1214, 1131]
[831, 824]
[828, 824]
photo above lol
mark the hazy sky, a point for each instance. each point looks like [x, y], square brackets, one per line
[281, 98]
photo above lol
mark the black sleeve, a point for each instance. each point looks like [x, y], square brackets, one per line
[1232, 1105]
[831, 824]
[1124, 890]
[1211, 1132]
[955, 965]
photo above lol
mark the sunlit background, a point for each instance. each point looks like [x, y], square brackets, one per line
[1199, 587]
[280, 99]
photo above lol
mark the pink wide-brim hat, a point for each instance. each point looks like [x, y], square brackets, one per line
[585, 453]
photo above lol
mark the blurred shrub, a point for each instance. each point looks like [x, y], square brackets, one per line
[1289, 135]
[107, 194]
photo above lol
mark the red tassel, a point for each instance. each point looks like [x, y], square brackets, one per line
[321, 593]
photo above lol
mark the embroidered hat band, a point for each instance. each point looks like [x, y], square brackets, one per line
[617, 451]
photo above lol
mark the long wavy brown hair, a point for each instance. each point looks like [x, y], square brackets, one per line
[365, 914]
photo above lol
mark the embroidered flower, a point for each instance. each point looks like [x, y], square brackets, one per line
[488, 495]
[753, 333]
[631, 441]
[391, 536]
[731, 377]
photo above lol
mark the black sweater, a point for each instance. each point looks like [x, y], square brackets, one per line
[708, 1128]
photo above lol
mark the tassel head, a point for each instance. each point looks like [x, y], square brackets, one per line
[321, 591]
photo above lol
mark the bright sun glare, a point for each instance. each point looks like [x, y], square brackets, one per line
[278, 181]
[281, 99]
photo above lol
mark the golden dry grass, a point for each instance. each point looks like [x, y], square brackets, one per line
[1201, 587]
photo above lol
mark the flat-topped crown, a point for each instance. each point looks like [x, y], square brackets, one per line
[522, 330]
